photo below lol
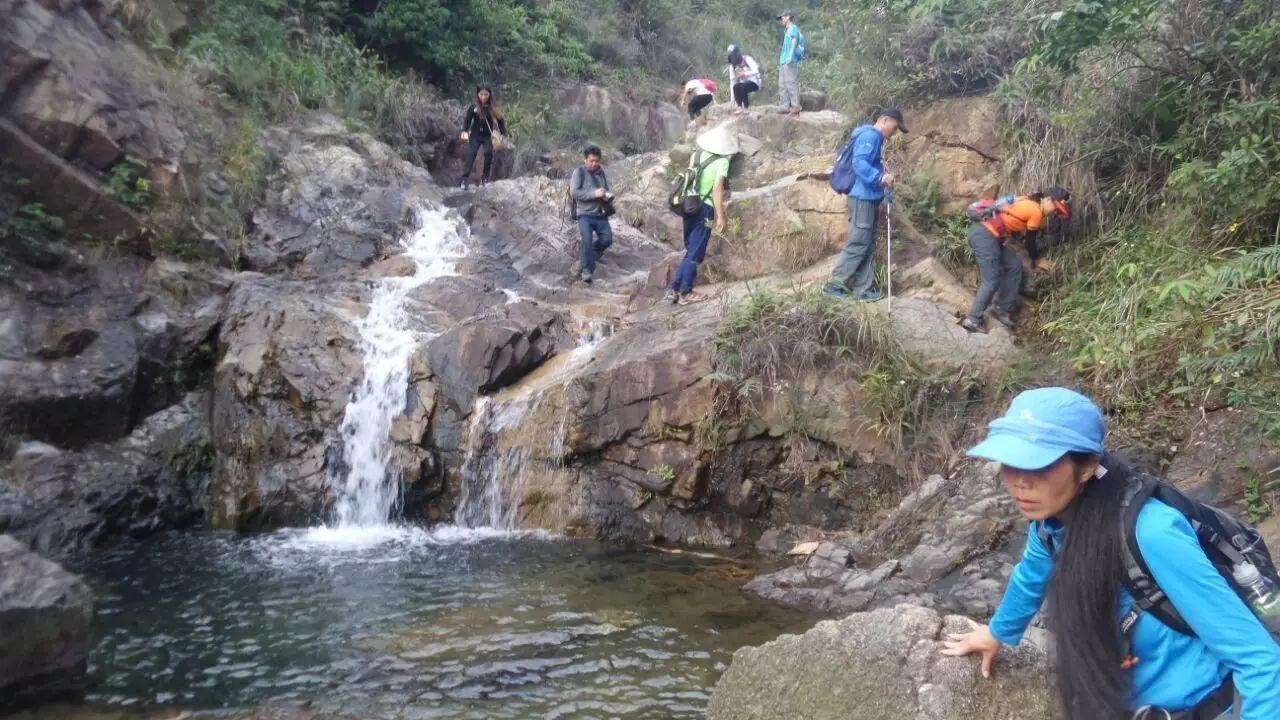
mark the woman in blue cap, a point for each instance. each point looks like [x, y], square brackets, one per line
[1049, 446]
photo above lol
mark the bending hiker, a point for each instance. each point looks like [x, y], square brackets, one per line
[1000, 268]
[1102, 535]
[745, 74]
[711, 162]
[699, 92]
[482, 126]
[789, 63]
[593, 202]
[855, 272]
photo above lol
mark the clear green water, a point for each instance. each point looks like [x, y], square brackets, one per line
[411, 624]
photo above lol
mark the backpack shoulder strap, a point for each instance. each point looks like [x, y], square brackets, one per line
[1147, 595]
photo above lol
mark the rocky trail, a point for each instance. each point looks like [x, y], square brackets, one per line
[143, 390]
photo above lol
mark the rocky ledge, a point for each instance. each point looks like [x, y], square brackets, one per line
[882, 664]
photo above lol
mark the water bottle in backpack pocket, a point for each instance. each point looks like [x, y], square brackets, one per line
[984, 209]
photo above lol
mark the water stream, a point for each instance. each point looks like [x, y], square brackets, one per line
[370, 492]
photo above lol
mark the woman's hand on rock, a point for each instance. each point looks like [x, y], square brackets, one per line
[978, 640]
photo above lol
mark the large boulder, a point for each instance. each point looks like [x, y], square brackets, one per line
[880, 664]
[785, 226]
[642, 124]
[956, 142]
[61, 501]
[78, 99]
[44, 620]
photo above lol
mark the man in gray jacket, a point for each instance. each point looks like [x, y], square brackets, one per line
[593, 201]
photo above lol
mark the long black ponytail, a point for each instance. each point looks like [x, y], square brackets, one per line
[1084, 596]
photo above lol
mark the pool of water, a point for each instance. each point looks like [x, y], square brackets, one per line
[410, 623]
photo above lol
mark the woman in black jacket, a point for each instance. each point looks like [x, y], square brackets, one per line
[483, 119]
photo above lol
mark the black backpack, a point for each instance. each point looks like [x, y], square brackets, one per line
[1226, 541]
[685, 200]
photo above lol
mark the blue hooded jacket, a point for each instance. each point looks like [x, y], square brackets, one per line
[1174, 671]
[868, 167]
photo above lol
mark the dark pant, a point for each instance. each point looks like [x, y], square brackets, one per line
[697, 233]
[855, 270]
[742, 93]
[1000, 269]
[591, 251]
[474, 147]
[697, 103]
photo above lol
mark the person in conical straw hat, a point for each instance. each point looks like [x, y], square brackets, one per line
[716, 148]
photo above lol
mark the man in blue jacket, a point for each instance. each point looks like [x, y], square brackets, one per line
[854, 275]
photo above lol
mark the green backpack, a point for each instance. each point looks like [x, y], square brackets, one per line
[685, 200]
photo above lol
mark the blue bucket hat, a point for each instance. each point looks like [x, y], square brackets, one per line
[1040, 427]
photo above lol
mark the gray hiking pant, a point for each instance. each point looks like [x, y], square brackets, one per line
[856, 269]
[1000, 269]
[788, 86]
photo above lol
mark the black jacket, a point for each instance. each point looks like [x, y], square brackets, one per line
[477, 122]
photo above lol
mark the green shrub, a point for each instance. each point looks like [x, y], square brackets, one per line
[127, 184]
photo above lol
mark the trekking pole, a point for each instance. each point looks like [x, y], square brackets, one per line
[888, 264]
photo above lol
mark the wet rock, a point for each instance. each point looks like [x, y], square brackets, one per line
[899, 673]
[44, 620]
[491, 352]
[336, 203]
[63, 501]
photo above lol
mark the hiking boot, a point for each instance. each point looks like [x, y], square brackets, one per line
[1003, 318]
[974, 327]
[836, 291]
[692, 297]
[871, 296]
[671, 296]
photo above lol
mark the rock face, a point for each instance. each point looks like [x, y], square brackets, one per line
[645, 126]
[880, 664]
[44, 619]
[956, 142]
[157, 477]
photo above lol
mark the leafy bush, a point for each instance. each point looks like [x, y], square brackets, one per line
[127, 184]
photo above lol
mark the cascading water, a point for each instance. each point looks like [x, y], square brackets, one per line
[369, 493]
[494, 473]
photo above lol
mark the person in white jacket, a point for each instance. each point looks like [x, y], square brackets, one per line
[745, 76]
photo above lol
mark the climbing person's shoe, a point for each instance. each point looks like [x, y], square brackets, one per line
[871, 296]
[690, 298]
[463, 183]
[836, 291]
[672, 297]
[1004, 318]
[794, 112]
[587, 276]
[974, 327]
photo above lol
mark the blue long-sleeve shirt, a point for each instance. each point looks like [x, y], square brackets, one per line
[1174, 671]
[868, 167]
[789, 39]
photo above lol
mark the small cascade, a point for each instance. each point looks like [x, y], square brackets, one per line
[371, 490]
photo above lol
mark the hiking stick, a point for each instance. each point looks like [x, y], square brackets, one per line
[888, 264]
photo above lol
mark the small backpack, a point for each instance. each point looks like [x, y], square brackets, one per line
[685, 200]
[799, 51]
[842, 174]
[1226, 541]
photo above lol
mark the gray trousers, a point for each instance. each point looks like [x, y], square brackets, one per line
[1000, 269]
[856, 268]
[788, 86]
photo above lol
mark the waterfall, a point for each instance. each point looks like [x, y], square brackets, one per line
[371, 490]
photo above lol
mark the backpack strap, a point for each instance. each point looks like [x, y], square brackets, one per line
[1147, 595]
[699, 166]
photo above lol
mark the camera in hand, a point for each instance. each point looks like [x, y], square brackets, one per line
[606, 204]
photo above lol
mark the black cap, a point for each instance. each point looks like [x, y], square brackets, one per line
[1060, 194]
[896, 114]
[785, 14]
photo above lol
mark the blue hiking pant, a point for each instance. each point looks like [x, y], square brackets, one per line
[855, 270]
[1000, 271]
[598, 225]
[697, 233]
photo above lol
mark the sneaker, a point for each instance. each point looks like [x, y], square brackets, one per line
[463, 184]
[794, 112]
[836, 291]
[671, 296]
[871, 296]
[1003, 318]
[974, 327]
[692, 297]
[587, 276]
